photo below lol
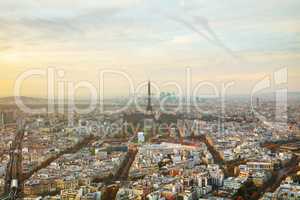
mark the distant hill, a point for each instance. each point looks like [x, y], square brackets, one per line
[25, 100]
[294, 96]
[35, 101]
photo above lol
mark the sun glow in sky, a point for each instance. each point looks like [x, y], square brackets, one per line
[220, 41]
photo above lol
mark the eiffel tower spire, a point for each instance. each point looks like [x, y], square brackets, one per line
[149, 106]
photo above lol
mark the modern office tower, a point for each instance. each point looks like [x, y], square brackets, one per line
[1, 119]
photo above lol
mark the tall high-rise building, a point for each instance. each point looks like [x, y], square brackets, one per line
[1, 119]
[149, 106]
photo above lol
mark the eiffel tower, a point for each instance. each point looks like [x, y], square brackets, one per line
[149, 106]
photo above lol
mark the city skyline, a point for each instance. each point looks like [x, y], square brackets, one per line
[149, 100]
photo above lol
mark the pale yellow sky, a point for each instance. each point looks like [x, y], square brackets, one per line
[147, 41]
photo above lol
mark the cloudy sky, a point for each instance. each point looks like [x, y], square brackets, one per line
[220, 41]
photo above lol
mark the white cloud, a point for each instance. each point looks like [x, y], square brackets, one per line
[184, 39]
